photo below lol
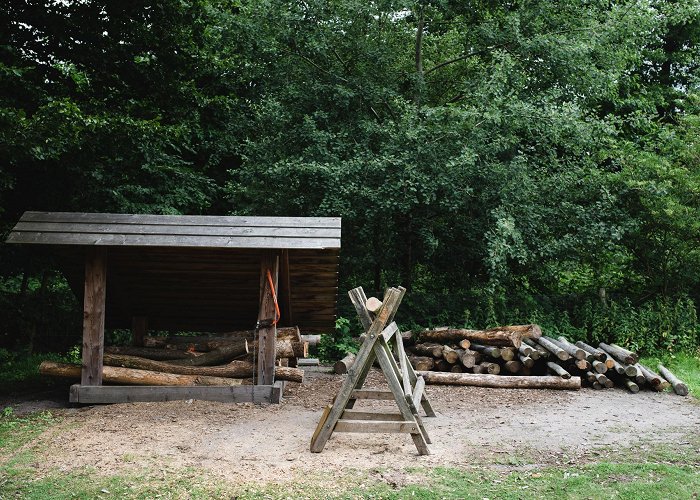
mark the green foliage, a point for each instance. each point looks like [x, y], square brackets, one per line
[333, 347]
[506, 165]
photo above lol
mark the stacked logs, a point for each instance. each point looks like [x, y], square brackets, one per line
[523, 357]
[222, 359]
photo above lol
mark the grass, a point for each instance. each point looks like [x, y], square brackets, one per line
[684, 366]
[664, 472]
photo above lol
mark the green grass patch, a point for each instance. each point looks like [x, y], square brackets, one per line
[684, 366]
[16, 431]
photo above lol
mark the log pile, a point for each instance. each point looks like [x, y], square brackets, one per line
[521, 356]
[223, 359]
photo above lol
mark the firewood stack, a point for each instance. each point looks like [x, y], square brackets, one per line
[222, 359]
[523, 357]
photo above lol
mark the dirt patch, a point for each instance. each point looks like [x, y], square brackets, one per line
[244, 442]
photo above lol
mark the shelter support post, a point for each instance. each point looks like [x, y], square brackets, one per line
[139, 328]
[94, 316]
[267, 318]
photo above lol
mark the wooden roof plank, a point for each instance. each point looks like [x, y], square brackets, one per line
[204, 220]
[145, 240]
[179, 230]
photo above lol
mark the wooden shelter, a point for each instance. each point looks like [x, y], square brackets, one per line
[190, 273]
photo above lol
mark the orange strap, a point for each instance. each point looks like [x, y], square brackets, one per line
[274, 298]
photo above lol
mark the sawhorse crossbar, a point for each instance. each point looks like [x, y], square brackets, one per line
[382, 340]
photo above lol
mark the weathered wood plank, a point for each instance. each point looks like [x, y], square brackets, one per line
[369, 426]
[349, 414]
[227, 220]
[158, 240]
[131, 394]
[267, 334]
[94, 316]
[175, 230]
[380, 394]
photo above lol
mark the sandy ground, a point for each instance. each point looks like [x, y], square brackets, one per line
[244, 442]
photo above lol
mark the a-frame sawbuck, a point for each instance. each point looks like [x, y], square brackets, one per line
[382, 342]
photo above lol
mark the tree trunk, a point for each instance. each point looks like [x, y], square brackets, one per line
[513, 366]
[558, 370]
[502, 381]
[465, 344]
[501, 336]
[527, 361]
[155, 353]
[469, 358]
[130, 376]
[450, 355]
[422, 363]
[428, 349]
[678, 386]
[216, 357]
[234, 369]
[491, 351]
[288, 349]
[622, 355]
[312, 340]
[571, 349]
[342, 366]
[554, 349]
[656, 381]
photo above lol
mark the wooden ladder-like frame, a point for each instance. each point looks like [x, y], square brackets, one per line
[405, 387]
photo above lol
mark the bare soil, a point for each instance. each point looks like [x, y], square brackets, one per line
[245, 442]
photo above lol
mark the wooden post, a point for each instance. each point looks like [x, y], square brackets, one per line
[285, 291]
[139, 327]
[267, 331]
[94, 316]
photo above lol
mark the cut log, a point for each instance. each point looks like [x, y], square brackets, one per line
[501, 336]
[234, 369]
[553, 348]
[373, 305]
[513, 366]
[599, 366]
[597, 354]
[490, 368]
[450, 355]
[313, 340]
[558, 370]
[571, 349]
[582, 364]
[656, 381]
[427, 349]
[543, 353]
[408, 338]
[632, 355]
[469, 358]
[501, 381]
[155, 353]
[442, 365]
[465, 344]
[216, 357]
[457, 369]
[488, 350]
[131, 376]
[525, 349]
[422, 363]
[527, 361]
[678, 386]
[342, 366]
[631, 386]
[622, 355]
[288, 349]
[508, 353]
